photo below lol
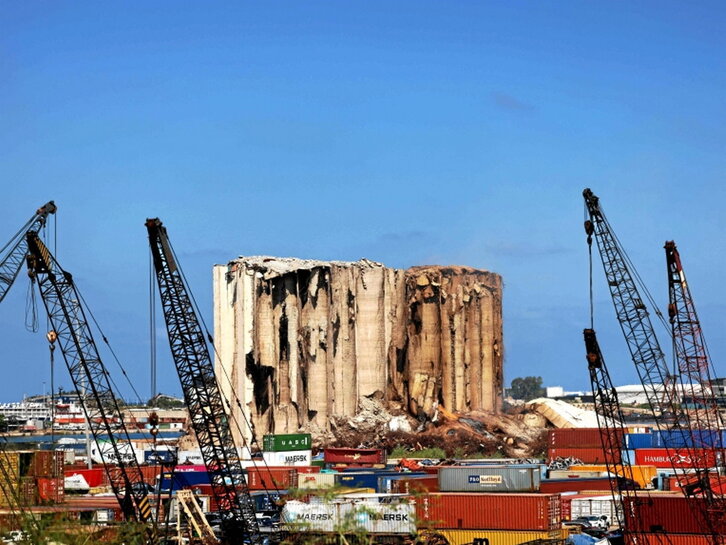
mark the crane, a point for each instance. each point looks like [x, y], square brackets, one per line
[80, 353]
[609, 421]
[646, 354]
[202, 394]
[12, 255]
[694, 371]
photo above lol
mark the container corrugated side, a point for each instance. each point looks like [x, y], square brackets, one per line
[288, 458]
[315, 481]
[499, 537]
[574, 474]
[357, 480]
[673, 539]
[492, 511]
[287, 442]
[594, 505]
[665, 513]
[638, 440]
[412, 485]
[349, 516]
[354, 456]
[681, 458]
[385, 482]
[551, 486]
[579, 437]
[489, 479]
[271, 478]
[641, 474]
[684, 438]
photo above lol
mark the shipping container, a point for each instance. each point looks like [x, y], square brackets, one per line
[579, 437]
[27, 491]
[685, 438]
[287, 442]
[671, 482]
[95, 477]
[509, 478]
[315, 481]
[354, 456]
[492, 511]
[672, 539]
[385, 482]
[271, 478]
[679, 458]
[638, 440]
[666, 513]
[585, 455]
[50, 489]
[594, 505]
[183, 479]
[500, 537]
[575, 474]
[288, 458]
[415, 485]
[643, 475]
[349, 516]
[357, 480]
[552, 486]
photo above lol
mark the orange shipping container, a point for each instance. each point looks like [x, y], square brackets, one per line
[492, 511]
[271, 478]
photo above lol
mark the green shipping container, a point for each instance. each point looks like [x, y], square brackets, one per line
[289, 441]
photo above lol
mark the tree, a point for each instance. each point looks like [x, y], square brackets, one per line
[527, 388]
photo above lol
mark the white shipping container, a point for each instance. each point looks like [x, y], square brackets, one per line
[315, 481]
[298, 516]
[595, 505]
[349, 516]
[288, 458]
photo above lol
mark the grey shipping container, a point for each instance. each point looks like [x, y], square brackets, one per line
[510, 478]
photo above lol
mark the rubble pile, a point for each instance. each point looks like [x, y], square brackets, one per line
[519, 434]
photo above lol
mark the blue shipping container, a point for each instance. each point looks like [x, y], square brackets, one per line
[183, 479]
[358, 480]
[638, 440]
[686, 439]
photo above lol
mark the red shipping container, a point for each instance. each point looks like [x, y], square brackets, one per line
[673, 539]
[680, 458]
[50, 490]
[490, 511]
[94, 477]
[586, 455]
[354, 456]
[574, 485]
[307, 469]
[412, 485]
[271, 478]
[579, 438]
[669, 514]
[42, 463]
[28, 491]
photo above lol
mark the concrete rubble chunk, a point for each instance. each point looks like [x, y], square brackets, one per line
[304, 341]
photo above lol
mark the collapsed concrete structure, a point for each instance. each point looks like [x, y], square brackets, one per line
[301, 342]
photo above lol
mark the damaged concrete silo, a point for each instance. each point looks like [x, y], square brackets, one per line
[303, 341]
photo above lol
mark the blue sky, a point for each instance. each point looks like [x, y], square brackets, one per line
[408, 133]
